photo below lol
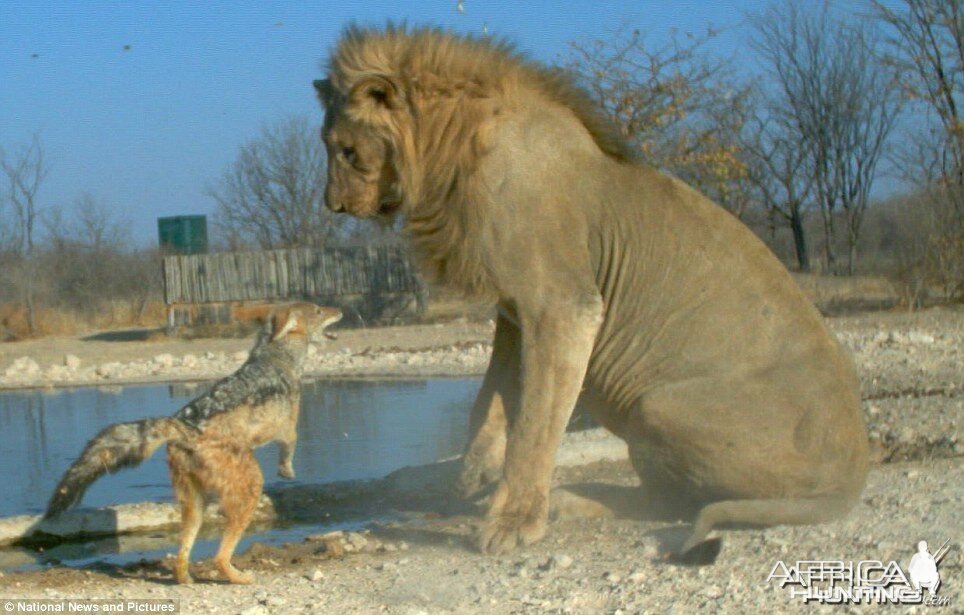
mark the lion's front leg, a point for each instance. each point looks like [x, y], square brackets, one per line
[556, 346]
[499, 396]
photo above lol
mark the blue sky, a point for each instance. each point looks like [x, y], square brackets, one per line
[146, 130]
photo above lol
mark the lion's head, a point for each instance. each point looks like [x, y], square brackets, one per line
[410, 117]
[362, 179]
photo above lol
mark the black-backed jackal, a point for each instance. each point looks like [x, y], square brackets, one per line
[210, 441]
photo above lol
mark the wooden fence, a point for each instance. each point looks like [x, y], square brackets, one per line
[367, 280]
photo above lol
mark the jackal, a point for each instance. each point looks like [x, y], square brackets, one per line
[210, 441]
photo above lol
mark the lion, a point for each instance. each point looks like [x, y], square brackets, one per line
[682, 333]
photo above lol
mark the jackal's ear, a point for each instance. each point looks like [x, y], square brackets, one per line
[282, 323]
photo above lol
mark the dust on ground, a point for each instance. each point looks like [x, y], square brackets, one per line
[425, 562]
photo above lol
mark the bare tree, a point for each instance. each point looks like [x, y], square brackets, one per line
[24, 173]
[777, 166]
[927, 51]
[88, 266]
[91, 225]
[843, 107]
[683, 110]
[271, 195]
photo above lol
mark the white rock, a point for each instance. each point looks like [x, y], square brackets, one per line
[561, 561]
[189, 360]
[112, 369]
[57, 372]
[316, 575]
[713, 591]
[357, 540]
[24, 366]
[164, 360]
[72, 361]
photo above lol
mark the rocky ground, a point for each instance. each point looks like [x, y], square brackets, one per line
[136, 356]
[596, 558]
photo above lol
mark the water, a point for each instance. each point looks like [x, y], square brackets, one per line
[348, 429]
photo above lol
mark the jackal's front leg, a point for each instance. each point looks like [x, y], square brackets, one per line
[288, 439]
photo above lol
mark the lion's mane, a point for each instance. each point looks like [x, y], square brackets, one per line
[454, 88]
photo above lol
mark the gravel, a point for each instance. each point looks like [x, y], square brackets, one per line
[610, 562]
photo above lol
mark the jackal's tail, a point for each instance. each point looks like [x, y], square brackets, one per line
[119, 446]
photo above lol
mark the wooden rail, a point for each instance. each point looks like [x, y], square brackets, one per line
[287, 274]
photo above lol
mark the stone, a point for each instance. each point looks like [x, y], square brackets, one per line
[111, 369]
[562, 561]
[357, 541]
[24, 366]
[164, 360]
[713, 591]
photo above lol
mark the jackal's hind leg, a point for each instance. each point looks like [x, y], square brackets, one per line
[239, 492]
[190, 497]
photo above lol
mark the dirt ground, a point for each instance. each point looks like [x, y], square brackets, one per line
[596, 559]
[213, 356]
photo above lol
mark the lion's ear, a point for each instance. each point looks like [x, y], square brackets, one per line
[326, 92]
[374, 97]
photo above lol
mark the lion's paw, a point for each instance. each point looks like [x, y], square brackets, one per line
[513, 522]
[503, 535]
[475, 477]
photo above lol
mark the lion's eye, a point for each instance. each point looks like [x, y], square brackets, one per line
[348, 153]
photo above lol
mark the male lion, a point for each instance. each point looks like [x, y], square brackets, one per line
[684, 334]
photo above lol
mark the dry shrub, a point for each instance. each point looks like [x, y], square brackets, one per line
[68, 321]
[836, 294]
[917, 242]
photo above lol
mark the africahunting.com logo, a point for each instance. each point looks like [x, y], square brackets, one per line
[865, 582]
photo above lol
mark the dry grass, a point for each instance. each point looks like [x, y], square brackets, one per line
[66, 321]
[847, 293]
[446, 306]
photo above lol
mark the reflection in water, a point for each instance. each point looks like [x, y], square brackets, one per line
[348, 429]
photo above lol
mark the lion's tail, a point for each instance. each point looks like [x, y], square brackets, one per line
[767, 512]
[119, 446]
